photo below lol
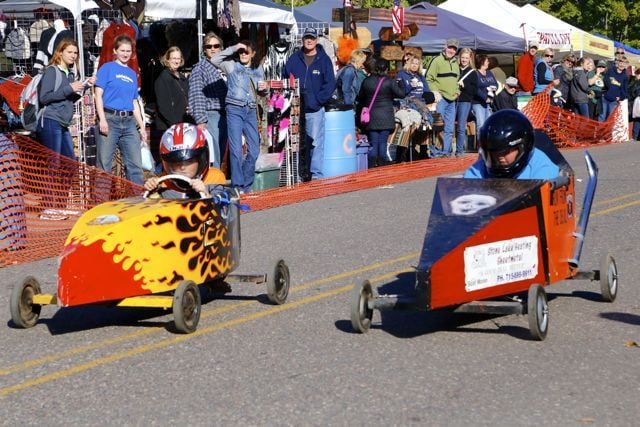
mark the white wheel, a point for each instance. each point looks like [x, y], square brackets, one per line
[361, 314]
[538, 312]
[186, 307]
[608, 278]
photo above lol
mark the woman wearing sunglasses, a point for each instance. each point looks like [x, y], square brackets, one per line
[542, 72]
[245, 78]
[207, 91]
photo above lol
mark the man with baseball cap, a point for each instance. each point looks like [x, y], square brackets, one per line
[442, 77]
[506, 98]
[313, 67]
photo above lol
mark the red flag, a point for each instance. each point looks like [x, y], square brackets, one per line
[397, 17]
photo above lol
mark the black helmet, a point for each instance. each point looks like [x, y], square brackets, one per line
[504, 130]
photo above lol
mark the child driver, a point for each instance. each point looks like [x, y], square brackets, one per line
[184, 151]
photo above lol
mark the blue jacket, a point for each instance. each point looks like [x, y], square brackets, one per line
[59, 102]
[348, 84]
[541, 81]
[615, 84]
[539, 166]
[239, 78]
[317, 81]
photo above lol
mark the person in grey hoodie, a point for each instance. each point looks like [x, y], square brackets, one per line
[579, 88]
[58, 90]
[57, 101]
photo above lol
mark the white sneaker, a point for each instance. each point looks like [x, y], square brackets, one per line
[53, 215]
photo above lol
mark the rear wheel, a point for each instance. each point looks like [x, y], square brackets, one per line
[538, 312]
[24, 312]
[608, 278]
[278, 283]
[186, 307]
[361, 314]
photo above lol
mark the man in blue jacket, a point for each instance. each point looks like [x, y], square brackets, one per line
[313, 67]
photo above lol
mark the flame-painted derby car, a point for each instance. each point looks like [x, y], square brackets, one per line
[145, 252]
[492, 245]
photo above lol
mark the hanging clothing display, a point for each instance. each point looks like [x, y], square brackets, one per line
[276, 58]
[17, 44]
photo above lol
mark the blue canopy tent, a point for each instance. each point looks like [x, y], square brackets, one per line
[431, 39]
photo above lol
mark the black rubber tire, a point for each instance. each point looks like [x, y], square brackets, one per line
[608, 278]
[24, 313]
[278, 283]
[361, 314]
[538, 312]
[186, 307]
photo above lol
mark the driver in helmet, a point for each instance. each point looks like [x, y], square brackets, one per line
[184, 151]
[507, 150]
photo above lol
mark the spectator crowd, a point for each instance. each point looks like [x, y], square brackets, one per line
[221, 94]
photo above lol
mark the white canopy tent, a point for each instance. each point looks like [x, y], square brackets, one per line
[250, 10]
[511, 19]
[582, 43]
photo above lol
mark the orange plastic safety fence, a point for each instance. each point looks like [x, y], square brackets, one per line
[569, 129]
[42, 194]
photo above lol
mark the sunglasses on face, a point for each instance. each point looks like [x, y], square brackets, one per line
[212, 46]
[243, 52]
[619, 53]
[548, 56]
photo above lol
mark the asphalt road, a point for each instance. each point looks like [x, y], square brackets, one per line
[251, 363]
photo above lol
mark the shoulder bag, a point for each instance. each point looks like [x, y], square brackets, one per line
[365, 114]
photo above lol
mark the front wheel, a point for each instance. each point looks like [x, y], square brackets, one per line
[186, 307]
[608, 278]
[278, 283]
[538, 312]
[24, 313]
[361, 314]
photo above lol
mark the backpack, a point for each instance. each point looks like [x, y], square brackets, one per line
[29, 100]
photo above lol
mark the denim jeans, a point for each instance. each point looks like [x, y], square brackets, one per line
[217, 127]
[607, 109]
[448, 111]
[242, 120]
[583, 109]
[482, 113]
[636, 130]
[124, 135]
[314, 123]
[462, 115]
[378, 141]
[56, 137]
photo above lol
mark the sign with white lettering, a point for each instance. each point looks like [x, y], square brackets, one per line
[499, 263]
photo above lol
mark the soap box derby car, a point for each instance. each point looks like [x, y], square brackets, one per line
[490, 241]
[146, 252]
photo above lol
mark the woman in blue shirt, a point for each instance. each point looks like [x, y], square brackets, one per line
[119, 112]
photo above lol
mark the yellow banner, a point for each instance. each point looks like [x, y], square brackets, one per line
[590, 44]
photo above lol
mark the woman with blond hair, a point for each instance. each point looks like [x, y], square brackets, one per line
[468, 82]
[58, 91]
[347, 79]
[172, 91]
